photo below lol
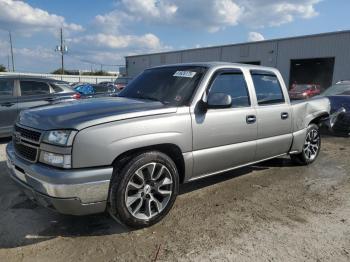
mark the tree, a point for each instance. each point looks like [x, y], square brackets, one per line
[3, 68]
[97, 73]
[59, 72]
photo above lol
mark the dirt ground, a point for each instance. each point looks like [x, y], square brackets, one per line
[273, 211]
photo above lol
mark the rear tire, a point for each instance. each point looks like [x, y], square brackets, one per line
[144, 191]
[311, 147]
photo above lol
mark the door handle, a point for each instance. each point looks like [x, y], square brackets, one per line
[284, 115]
[251, 119]
[7, 104]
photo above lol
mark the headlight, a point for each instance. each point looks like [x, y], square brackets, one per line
[54, 159]
[59, 137]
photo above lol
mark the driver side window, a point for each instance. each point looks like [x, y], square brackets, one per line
[233, 84]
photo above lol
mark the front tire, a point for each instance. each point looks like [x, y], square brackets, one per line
[144, 191]
[311, 148]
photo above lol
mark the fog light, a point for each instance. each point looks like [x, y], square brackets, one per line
[58, 160]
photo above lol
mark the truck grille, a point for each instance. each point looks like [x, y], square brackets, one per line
[28, 134]
[26, 143]
[26, 152]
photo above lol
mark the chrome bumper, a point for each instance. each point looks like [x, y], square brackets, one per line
[87, 187]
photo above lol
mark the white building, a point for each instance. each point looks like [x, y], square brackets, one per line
[319, 59]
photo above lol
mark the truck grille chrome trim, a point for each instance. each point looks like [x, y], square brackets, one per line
[26, 143]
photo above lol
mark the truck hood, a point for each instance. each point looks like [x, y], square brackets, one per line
[84, 113]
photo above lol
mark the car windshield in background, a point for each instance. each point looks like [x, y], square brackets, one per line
[172, 85]
[339, 89]
[301, 87]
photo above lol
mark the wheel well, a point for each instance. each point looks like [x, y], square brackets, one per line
[171, 150]
[318, 120]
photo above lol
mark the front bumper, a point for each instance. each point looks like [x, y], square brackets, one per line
[71, 191]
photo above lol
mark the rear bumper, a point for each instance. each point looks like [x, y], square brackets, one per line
[74, 192]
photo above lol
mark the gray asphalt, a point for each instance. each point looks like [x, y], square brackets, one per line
[273, 211]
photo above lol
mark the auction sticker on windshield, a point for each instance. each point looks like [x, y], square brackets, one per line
[188, 74]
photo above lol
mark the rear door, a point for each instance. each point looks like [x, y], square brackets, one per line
[273, 115]
[8, 106]
[33, 93]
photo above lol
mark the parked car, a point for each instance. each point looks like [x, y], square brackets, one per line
[121, 83]
[95, 90]
[304, 91]
[107, 83]
[339, 96]
[18, 93]
[172, 124]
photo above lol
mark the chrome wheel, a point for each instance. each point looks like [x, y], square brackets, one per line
[148, 191]
[312, 145]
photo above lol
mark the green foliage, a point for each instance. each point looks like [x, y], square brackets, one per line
[76, 72]
[3, 68]
[96, 73]
[59, 72]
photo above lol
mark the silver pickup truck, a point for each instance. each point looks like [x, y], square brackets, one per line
[172, 124]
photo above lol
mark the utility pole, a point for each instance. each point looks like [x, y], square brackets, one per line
[8, 63]
[62, 49]
[62, 62]
[13, 63]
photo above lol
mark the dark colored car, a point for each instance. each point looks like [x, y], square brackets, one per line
[339, 97]
[304, 91]
[95, 90]
[18, 93]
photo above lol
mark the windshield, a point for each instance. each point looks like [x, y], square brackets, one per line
[301, 87]
[172, 86]
[339, 89]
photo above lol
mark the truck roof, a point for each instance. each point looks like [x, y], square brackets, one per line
[31, 78]
[218, 64]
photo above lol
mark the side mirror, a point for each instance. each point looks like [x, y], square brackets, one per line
[219, 100]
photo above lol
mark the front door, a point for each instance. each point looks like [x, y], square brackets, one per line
[225, 138]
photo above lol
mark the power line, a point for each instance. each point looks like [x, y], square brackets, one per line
[93, 62]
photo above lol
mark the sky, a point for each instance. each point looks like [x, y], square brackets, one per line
[105, 31]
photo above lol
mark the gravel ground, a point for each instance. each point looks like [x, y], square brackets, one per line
[273, 211]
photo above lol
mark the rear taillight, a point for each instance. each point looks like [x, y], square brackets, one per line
[76, 96]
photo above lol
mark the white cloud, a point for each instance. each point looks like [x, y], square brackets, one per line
[259, 14]
[20, 16]
[211, 15]
[146, 41]
[255, 36]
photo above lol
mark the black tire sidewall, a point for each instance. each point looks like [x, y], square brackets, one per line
[119, 183]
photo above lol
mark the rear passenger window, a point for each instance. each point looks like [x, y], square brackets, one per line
[233, 84]
[267, 87]
[29, 88]
[56, 88]
[6, 87]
